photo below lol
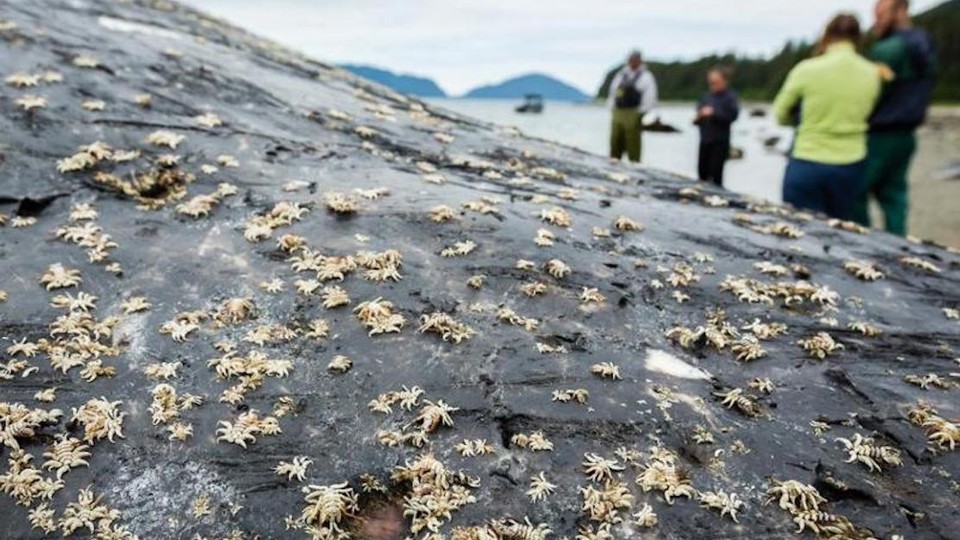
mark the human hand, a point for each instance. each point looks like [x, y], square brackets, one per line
[706, 111]
[886, 74]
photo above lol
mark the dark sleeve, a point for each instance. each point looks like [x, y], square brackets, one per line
[727, 110]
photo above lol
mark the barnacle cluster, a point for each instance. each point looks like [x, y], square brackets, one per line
[942, 433]
[446, 326]
[261, 227]
[536, 441]
[571, 395]
[379, 317]
[246, 428]
[790, 293]
[864, 270]
[101, 419]
[661, 473]
[863, 450]
[820, 345]
[434, 492]
[251, 371]
[804, 503]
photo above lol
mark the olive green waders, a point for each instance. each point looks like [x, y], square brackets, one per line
[625, 134]
[885, 178]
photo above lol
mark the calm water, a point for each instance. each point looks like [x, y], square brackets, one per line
[759, 173]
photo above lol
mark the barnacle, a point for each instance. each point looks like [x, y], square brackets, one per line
[929, 379]
[476, 281]
[576, 395]
[178, 329]
[29, 102]
[93, 105]
[557, 268]
[865, 328]
[446, 326]
[340, 363]
[200, 506]
[164, 138]
[164, 408]
[626, 224]
[606, 369]
[84, 61]
[863, 270]
[510, 316]
[863, 450]
[135, 304]
[23, 80]
[474, 447]
[317, 329]
[766, 330]
[645, 517]
[546, 348]
[702, 435]
[209, 120]
[748, 349]
[295, 469]
[820, 345]
[87, 512]
[728, 503]
[66, 453]
[435, 492]
[735, 398]
[101, 419]
[534, 288]
[661, 473]
[762, 385]
[486, 206]
[340, 203]
[785, 230]
[922, 264]
[94, 369]
[180, 431]
[273, 286]
[442, 213]
[794, 496]
[41, 517]
[432, 415]
[556, 216]
[379, 317]
[591, 295]
[459, 249]
[57, 276]
[245, 429]
[544, 238]
[951, 313]
[535, 442]
[603, 505]
[598, 468]
[766, 267]
[819, 428]
[24, 348]
[234, 310]
[334, 296]
[306, 287]
[47, 395]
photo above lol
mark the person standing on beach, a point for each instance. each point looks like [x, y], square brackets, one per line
[829, 98]
[908, 63]
[717, 109]
[633, 93]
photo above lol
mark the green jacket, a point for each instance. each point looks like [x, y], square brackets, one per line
[831, 96]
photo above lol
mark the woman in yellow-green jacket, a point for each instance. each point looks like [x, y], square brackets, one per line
[829, 98]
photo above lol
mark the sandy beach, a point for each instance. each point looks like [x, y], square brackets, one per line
[934, 201]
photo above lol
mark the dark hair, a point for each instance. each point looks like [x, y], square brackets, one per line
[843, 27]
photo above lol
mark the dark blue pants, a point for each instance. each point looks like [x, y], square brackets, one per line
[830, 189]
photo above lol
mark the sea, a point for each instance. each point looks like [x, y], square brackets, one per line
[759, 173]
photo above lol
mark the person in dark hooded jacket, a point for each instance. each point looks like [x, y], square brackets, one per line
[716, 111]
[908, 63]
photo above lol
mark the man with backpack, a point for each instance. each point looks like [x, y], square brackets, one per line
[908, 63]
[633, 92]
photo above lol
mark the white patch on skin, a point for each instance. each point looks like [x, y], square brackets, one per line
[664, 362]
[120, 25]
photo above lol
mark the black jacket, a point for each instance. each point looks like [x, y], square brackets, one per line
[726, 109]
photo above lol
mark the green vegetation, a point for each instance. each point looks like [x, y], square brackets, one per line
[759, 78]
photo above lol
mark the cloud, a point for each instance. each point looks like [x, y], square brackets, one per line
[465, 43]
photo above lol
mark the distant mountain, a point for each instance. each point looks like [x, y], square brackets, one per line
[408, 84]
[535, 83]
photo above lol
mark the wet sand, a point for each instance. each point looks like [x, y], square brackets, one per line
[934, 201]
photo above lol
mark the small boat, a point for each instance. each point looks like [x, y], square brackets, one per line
[532, 103]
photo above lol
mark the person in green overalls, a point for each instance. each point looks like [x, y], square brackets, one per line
[633, 92]
[907, 60]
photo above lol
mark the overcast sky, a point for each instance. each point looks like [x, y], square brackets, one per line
[465, 43]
